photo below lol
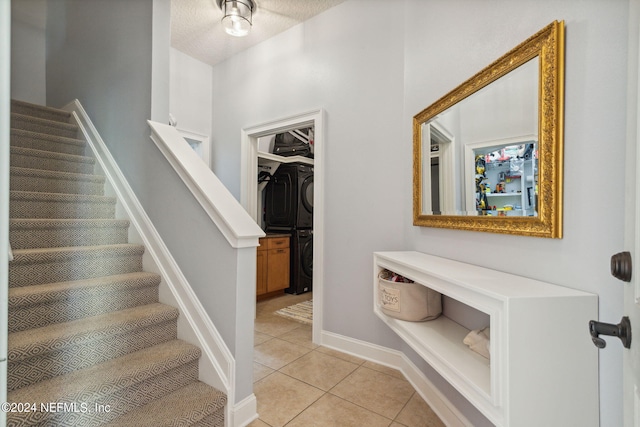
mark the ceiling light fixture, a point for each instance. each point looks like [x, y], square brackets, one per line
[237, 16]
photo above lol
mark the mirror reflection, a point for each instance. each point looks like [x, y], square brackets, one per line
[506, 180]
[484, 131]
[488, 155]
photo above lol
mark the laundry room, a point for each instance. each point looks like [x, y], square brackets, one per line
[285, 213]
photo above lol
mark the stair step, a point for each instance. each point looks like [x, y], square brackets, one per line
[49, 160]
[27, 204]
[89, 343]
[41, 111]
[42, 305]
[47, 181]
[49, 265]
[39, 354]
[115, 386]
[46, 142]
[25, 233]
[36, 124]
[187, 406]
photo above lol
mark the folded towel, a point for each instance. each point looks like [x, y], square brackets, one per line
[478, 340]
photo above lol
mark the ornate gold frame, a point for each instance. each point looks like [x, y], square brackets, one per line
[548, 45]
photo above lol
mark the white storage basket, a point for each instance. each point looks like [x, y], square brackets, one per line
[407, 300]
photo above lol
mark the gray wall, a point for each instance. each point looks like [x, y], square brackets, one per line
[354, 72]
[595, 94]
[372, 65]
[28, 21]
[103, 53]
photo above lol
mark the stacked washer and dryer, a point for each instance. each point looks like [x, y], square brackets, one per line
[288, 208]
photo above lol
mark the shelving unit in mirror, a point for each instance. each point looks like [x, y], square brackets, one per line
[543, 367]
[283, 159]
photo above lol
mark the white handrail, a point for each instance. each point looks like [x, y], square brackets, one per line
[240, 230]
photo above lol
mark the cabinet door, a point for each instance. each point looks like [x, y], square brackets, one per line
[261, 273]
[278, 266]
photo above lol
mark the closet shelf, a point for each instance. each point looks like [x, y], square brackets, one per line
[504, 195]
[283, 159]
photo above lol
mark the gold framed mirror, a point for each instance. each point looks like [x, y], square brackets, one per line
[488, 156]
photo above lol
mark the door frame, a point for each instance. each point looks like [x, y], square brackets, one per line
[249, 190]
[5, 114]
[631, 364]
[447, 144]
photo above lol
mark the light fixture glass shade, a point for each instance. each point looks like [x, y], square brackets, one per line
[237, 17]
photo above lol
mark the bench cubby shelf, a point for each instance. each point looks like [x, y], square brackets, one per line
[543, 368]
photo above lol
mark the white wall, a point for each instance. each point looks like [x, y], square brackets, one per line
[508, 110]
[28, 19]
[191, 95]
[372, 68]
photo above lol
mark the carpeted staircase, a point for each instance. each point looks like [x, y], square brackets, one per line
[89, 343]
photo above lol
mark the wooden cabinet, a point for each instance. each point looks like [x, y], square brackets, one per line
[273, 264]
[261, 275]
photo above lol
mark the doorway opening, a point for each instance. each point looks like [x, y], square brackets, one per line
[249, 189]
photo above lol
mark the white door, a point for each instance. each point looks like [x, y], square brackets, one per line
[631, 357]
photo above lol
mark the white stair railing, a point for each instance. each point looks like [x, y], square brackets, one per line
[225, 211]
[218, 365]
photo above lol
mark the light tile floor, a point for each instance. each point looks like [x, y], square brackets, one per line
[298, 384]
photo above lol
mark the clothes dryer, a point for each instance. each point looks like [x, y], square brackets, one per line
[289, 198]
[301, 262]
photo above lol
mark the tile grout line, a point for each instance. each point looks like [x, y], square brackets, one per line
[302, 345]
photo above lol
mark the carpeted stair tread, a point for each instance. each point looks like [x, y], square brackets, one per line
[81, 351]
[36, 124]
[42, 111]
[37, 223]
[86, 327]
[41, 305]
[46, 265]
[36, 255]
[51, 181]
[183, 407]
[52, 174]
[27, 233]
[45, 142]
[33, 204]
[49, 292]
[36, 195]
[33, 342]
[49, 160]
[123, 383]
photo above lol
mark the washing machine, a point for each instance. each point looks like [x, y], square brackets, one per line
[301, 257]
[289, 198]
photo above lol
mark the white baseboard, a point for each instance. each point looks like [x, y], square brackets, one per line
[244, 412]
[447, 412]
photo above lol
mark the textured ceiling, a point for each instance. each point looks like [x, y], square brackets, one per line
[196, 29]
